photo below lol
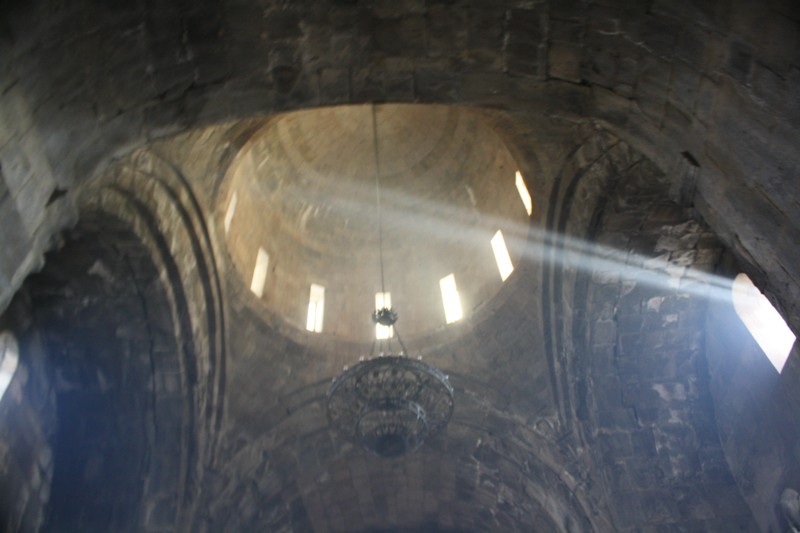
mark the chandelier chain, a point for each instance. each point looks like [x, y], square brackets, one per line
[378, 192]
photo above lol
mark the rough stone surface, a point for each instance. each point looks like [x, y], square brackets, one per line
[594, 392]
[27, 425]
[86, 81]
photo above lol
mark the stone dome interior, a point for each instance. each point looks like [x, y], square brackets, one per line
[303, 190]
[150, 151]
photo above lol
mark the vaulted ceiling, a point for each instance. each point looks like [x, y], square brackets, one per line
[606, 385]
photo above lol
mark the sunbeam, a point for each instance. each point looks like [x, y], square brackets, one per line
[418, 218]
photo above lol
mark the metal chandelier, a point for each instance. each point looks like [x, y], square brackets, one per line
[388, 403]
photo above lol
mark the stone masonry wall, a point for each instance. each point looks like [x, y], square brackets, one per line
[714, 80]
[755, 408]
[97, 336]
[644, 394]
[27, 425]
[136, 368]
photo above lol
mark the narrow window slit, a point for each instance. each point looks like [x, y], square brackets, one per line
[524, 195]
[316, 308]
[501, 257]
[260, 273]
[450, 299]
[763, 321]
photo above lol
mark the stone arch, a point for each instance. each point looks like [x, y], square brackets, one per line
[138, 277]
[103, 287]
[154, 199]
[702, 91]
[487, 471]
[646, 414]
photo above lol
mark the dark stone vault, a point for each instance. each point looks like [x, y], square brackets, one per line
[606, 386]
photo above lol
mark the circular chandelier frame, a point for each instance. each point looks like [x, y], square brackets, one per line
[390, 405]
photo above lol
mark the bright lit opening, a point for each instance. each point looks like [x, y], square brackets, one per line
[260, 273]
[231, 210]
[524, 194]
[501, 255]
[450, 299]
[763, 321]
[383, 299]
[9, 357]
[316, 308]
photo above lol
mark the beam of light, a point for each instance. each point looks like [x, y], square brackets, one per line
[501, 256]
[450, 299]
[231, 211]
[260, 273]
[422, 218]
[383, 299]
[765, 324]
[316, 308]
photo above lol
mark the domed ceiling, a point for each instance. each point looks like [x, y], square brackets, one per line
[302, 209]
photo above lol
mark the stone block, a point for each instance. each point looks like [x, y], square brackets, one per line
[660, 34]
[658, 366]
[215, 67]
[613, 446]
[725, 499]
[627, 511]
[647, 473]
[485, 29]
[695, 46]
[565, 31]
[522, 45]
[367, 85]
[334, 85]
[569, 10]
[293, 86]
[602, 21]
[15, 244]
[740, 61]
[641, 396]
[654, 78]
[684, 86]
[629, 324]
[403, 36]
[399, 86]
[643, 443]
[600, 65]
[617, 476]
[603, 359]
[657, 506]
[172, 81]
[715, 467]
[299, 516]
[564, 62]
[15, 111]
[160, 513]
[618, 419]
[631, 346]
[4, 192]
[392, 8]
[281, 23]
[702, 13]
[16, 168]
[604, 332]
[446, 31]
[776, 41]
